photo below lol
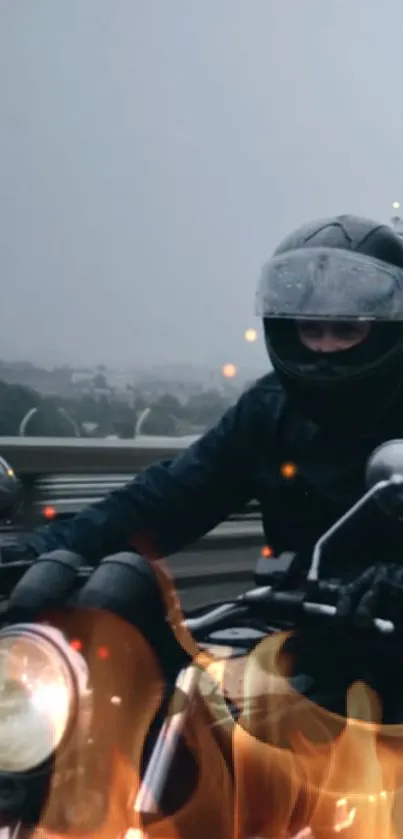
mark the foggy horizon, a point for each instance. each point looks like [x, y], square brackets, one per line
[153, 154]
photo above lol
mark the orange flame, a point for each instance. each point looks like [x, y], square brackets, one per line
[297, 770]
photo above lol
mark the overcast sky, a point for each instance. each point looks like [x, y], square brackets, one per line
[153, 152]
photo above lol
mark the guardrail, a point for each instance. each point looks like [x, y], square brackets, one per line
[65, 495]
[77, 456]
[61, 476]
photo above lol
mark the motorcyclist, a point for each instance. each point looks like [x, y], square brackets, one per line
[331, 301]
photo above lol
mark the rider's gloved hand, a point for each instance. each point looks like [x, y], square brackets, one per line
[378, 592]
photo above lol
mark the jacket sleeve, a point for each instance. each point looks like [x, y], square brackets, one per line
[170, 504]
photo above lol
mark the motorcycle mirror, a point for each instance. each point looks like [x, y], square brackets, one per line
[9, 489]
[386, 464]
[384, 482]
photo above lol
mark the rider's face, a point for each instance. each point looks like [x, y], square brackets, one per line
[331, 336]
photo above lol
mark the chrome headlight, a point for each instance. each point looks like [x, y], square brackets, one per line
[41, 680]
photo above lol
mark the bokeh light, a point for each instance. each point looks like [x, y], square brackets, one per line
[229, 371]
[250, 335]
[288, 470]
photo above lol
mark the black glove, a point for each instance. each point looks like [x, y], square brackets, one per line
[377, 593]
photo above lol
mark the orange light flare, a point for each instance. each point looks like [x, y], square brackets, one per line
[288, 470]
[49, 513]
[300, 771]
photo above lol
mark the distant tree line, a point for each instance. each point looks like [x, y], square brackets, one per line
[104, 414]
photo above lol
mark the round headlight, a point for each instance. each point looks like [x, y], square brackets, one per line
[38, 696]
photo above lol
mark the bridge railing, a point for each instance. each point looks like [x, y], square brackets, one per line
[78, 456]
[61, 476]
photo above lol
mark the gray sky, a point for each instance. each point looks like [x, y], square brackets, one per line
[152, 153]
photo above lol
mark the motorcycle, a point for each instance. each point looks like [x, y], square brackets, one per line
[123, 718]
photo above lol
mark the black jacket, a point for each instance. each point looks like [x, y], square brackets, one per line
[173, 503]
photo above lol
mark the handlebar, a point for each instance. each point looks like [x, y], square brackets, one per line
[326, 610]
[280, 606]
[312, 605]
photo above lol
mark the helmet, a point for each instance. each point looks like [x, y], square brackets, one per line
[338, 269]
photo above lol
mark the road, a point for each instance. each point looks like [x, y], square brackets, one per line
[195, 572]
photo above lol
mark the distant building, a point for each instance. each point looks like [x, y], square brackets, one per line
[48, 382]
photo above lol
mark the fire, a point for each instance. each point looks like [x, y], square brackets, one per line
[299, 766]
[297, 770]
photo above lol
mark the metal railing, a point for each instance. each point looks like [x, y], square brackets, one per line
[77, 455]
[65, 495]
[65, 475]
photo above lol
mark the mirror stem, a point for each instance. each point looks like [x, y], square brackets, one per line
[377, 489]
